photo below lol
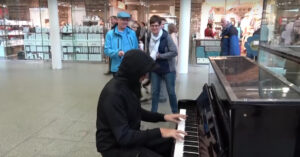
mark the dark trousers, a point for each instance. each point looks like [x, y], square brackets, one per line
[155, 148]
[109, 64]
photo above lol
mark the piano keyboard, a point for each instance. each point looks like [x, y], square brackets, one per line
[189, 147]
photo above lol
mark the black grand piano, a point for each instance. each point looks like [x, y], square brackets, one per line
[244, 111]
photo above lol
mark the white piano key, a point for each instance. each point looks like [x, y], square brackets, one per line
[178, 151]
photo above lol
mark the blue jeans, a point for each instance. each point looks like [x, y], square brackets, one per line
[155, 90]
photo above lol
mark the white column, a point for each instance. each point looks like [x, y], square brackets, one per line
[184, 36]
[54, 34]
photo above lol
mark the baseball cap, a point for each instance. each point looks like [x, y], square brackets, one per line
[123, 14]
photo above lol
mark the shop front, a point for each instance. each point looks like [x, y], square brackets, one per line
[244, 15]
[24, 26]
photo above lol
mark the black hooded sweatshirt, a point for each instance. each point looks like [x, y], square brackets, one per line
[119, 112]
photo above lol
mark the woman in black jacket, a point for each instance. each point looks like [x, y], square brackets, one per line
[119, 114]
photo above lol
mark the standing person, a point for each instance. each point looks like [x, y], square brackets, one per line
[163, 90]
[113, 22]
[135, 26]
[230, 41]
[163, 50]
[172, 29]
[119, 40]
[296, 30]
[119, 115]
[143, 32]
[209, 31]
[163, 22]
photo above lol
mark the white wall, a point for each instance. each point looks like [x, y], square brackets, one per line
[78, 15]
[38, 16]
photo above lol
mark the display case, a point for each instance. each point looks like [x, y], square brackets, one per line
[205, 48]
[283, 62]
[12, 37]
[279, 50]
[281, 23]
[83, 43]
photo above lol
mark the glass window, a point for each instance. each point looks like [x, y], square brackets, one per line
[280, 40]
[82, 25]
[24, 29]
[281, 25]
[15, 21]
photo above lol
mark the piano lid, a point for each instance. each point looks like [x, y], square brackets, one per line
[246, 81]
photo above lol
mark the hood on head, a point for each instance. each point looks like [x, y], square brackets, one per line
[135, 64]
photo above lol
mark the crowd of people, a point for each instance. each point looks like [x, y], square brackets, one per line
[119, 112]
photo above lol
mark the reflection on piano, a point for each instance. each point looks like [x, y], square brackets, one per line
[254, 117]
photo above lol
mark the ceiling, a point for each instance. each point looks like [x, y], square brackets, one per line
[162, 6]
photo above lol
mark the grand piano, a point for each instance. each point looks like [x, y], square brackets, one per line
[244, 111]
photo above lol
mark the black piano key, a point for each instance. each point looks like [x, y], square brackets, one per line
[191, 126]
[192, 133]
[191, 138]
[190, 143]
[190, 155]
[191, 129]
[191, 149]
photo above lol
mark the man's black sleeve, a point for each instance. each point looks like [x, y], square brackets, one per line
[148, 116]
[118, 122]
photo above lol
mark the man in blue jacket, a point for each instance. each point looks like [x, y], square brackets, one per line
[230, 41]
[119, 40]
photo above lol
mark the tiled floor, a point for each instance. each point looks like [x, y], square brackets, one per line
[52, 113]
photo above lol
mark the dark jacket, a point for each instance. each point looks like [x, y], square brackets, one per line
[119, 112]
[167, 52]
[230, 42]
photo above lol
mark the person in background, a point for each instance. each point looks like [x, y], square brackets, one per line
[209, 31]
[229, 42]
[137, 28]
[172, 29]
[239, 29]
[119, 40]
[143, 32]
[163, 50]
[163, 22]
[119, 115]
[288, 33]
[113, 22]
[163, 90]
[296, 30]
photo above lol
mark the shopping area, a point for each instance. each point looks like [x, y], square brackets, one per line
[25, 25]
[47, 112]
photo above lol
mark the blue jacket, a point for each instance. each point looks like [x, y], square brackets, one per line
[230, 42]
[116, 41]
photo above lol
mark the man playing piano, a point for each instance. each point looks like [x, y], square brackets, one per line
[119, 114]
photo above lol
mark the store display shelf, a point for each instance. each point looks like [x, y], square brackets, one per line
[15, 25]
[11, 35]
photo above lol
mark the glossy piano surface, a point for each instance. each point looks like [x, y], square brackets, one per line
[260, 109]
[246, 81]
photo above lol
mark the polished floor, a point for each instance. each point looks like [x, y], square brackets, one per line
[52, 113]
